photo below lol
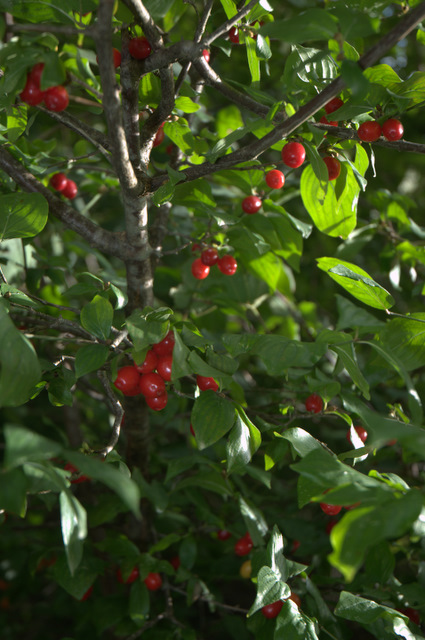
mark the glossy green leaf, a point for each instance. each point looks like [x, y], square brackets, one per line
[23, 445]
[90, 358]
[212, 417]
[74, 528]
[301, 441]
[229, 7]
[253, 61]
[138, 604]
[293, 624]
[22, 215]
[81, 580]
[348, 357]
[96, 317]
[405, 338]
[243, 441]
[13, 491]
[270, 588]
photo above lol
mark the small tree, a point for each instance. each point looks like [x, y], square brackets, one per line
[205, 436]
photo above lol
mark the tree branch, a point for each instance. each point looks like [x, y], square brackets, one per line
[224, 28]
[130, 103]
[150, 29]
[345, 133]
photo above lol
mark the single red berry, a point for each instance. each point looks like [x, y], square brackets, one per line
[164, 367]
[314, 403]
[272, 610]
[200, 270]
[56, 98]
[331, 524]
[116, 56]
[206, 55]
[330, 509]
[412, 614]
[295, 598]
[244, 545]
[87, 594]
[151, 385]
[153, 581]
[58, 181]
[227, 265]
[157, 403]
[362, 433]
[175, 562]
[333, 105]
[324, 120]
[195, 246]
[131, 578]
[223, 534]
[139, 48]
[295, 546]
[251, 204]
[32, 94]
[233, 34]
[334, 167]
[165, 346]
[81, 478]
[205, 383]
[70, 190]
[160, 135]
[209, 256]
[149, 363]
[127, 380]
[369, 131]
[275, 179]
[293, 154]
[35, 73]
[392, 129]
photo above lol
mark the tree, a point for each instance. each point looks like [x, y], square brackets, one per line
[211, 389]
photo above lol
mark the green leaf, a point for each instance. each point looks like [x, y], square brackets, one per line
[253, 61]
[90, 358]
[244, 440]
[96, 317]
[301, 441]
[139, 604]
[74, 528]
[23, 445]
[210, 481]
[20, 369]
[348, 357]
[229, 7]
[13, 491]
[293, 624]
[12, 294]
[186, 105]
[22, 215]
[78, 583]
[405, 338]
[270, 588]
[147, 329]
[181, 134]
[212, 417]
[313, 24]
[357, 282]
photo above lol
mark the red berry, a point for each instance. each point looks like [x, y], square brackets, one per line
[70, 190]
[139, 48]
[331, 524]
[275, 179]
[87, 594]
[251, 204]
[56, 98]
[205, 383]
[70, 467]
[314, 403]
[32, 94]
[131, 578]
[127, 380]
[157, 403]
[244, 545]
[369, 131]
[272, 610]
[227, 265]
[35, 73]
[160, 135]
[233, 34]
[392, 129]
[165, 346]
[116, 55]
[324, 120]
[412, 614]
[151, 385]
[330, 509]
[206, 55]
[175, 562]
[200, 270]
[58, 181]
[334, 167]
[293, 154]
[223, 534]
[362, 433]
[295, 598]
[209, 256]
[153, 581]
[164, 367]
[195, 246]
[149, 363]
[333, 105]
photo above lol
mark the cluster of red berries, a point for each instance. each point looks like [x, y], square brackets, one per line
[134, 380]
[65, 186]
[371, 130]
[209, 257]
[55, 98]
[153, 581]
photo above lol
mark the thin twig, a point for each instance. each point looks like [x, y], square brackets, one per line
[118, 412]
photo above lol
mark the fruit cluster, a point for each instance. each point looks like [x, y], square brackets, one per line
[55, 98]
[66, 187]
[150, 377]
[209, 257]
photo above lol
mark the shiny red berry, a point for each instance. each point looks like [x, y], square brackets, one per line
[153, 581]
[334, 167]
[251, 204]
[223, 534]
[206, 55]
[149, 363]
[244, 545]
[151, 385]
[275, 179]
[131, 578]
[361, 432]
[293, 154]
[160, 135]
[127, 380]
[209, 256]
[330, 509]
[233, 34]
[272, 610]
[392, 129]
[333, 105]
[58, 181]
[164, 366]
[412, 614]
[205, 383]
[166, 345]
[32, 94]
[36, 72]
[200, 270]
[324, 120]
[139, 48]
[70, 190]
[314, 403]
[369, 131]
[56, 98]
[116, 56]
[227, 265]
[295, 598]
[157, 403]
